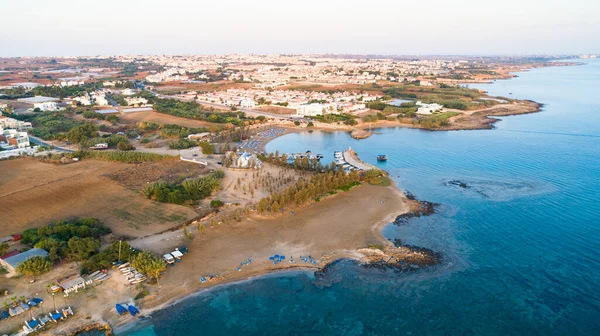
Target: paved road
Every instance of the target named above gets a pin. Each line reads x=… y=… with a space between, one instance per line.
x=41 y=142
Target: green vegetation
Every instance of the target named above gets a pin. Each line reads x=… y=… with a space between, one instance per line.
x=51 y=91
x=193 y=110
x=332 y=118
x=182 y=144
x=3 y=248
x=460 y=98
x=75 y=240
x=125 y=146
x=304 y=163
x=90 y=114
x=108 y=256
x=207 y=148
x=380 y=181
x=216 y=203
x=50 y=125
x=170 y=130
x=121 y=156
x=308 y=190
x=188 y=191
x=35 y=266
x=436 y=120
x=149 y=264
x=81 y=133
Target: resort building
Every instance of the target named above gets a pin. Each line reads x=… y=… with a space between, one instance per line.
x=428 y=108
x=314 y=109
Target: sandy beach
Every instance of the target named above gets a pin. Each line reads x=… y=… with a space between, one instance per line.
x=327 y=230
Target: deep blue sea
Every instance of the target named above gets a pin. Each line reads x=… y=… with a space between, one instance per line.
x=521 y=246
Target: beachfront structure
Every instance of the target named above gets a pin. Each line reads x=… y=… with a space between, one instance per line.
x=246 y=160
x=428 y=108
x=11 y=263
x=315 y=109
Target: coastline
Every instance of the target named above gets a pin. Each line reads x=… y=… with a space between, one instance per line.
x=183 y=282
x=163 y=300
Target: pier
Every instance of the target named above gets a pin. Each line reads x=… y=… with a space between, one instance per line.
x=350 y=161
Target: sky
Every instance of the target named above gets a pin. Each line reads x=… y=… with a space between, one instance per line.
x=400 y=27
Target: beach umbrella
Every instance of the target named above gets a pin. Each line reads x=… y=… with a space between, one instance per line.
x=271 y=258
x=276 y=256
x=282 y=258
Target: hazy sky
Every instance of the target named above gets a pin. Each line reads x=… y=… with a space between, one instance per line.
x=415 y=27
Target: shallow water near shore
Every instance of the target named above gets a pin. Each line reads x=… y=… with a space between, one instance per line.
x=518 y=230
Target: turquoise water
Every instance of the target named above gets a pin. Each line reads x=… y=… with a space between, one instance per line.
x=521 y=246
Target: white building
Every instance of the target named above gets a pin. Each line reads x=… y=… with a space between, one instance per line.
x=84 y=100
x=13 y=139
x=6 y=122
x=246 y=160
x=41 y=102
x=136 y=101
x=128 y=92
x=428 y=108
x=314 y=109
x=99 y=99
x=247 y=103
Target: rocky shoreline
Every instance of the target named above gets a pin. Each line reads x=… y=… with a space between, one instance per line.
x=417 y=209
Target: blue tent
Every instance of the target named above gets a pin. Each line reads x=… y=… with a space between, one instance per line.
x=120 y=309
x=133 y=310
x=3 y=315
x=32 y=324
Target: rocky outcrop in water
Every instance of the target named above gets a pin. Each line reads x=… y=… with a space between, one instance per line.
x=417 y=209
x=403 y=257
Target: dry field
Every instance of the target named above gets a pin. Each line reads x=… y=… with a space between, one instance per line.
x=163 y=119
x=33 y=193
x=277 y=110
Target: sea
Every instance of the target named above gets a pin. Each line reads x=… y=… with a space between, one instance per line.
x=518 y=227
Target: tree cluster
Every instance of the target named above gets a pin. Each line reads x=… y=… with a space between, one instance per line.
x=188 y=191
x=308 y=190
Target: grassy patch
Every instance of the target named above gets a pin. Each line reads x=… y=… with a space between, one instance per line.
x=380 y=181
x=349 y=186
x=122 y=214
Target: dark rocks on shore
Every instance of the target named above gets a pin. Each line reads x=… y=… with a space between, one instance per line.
x=418 y=209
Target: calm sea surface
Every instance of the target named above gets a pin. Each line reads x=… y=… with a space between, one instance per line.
x=521 y=245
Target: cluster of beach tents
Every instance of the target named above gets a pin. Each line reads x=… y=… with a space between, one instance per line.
x=244 y=263
x=175 y=256
x=35 y=324
x=123 y=309
x=20 y=308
